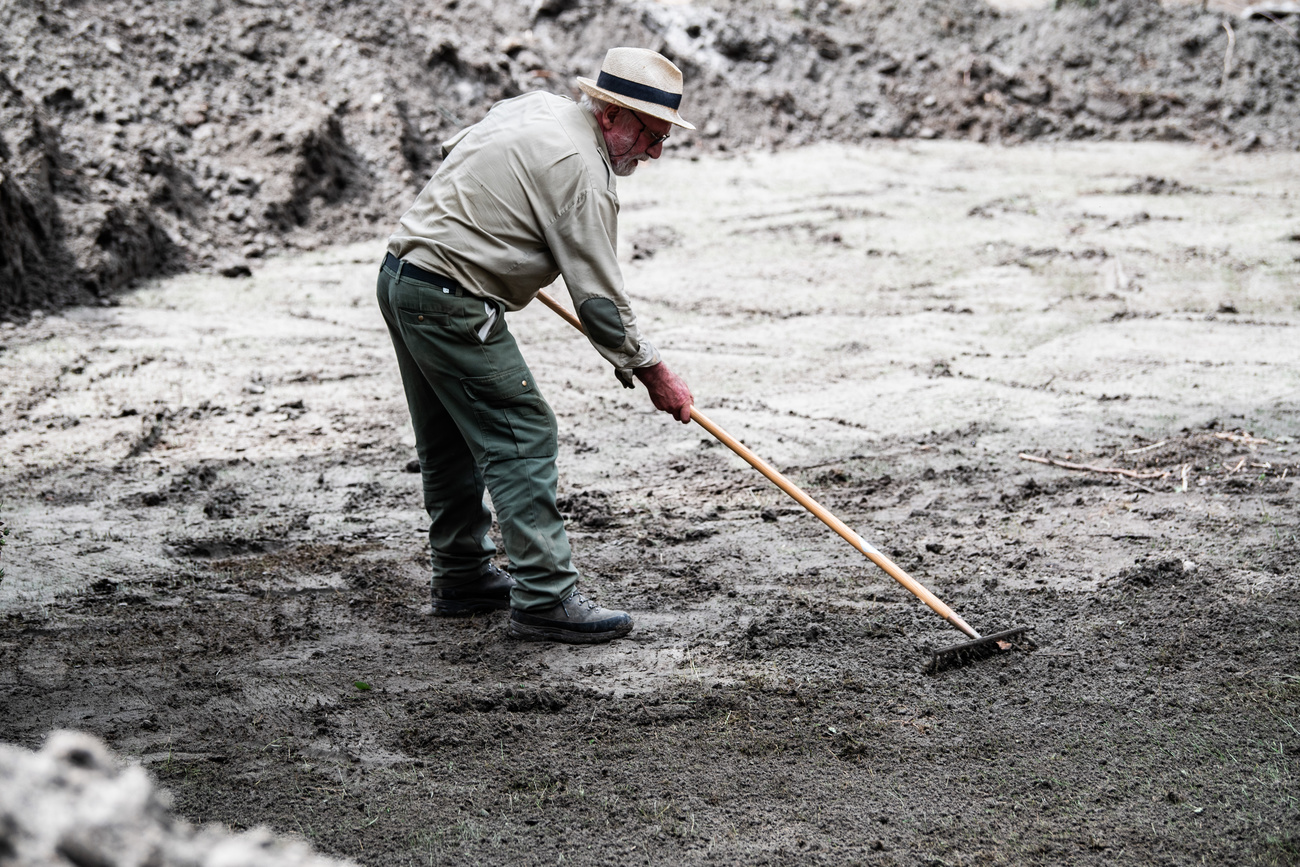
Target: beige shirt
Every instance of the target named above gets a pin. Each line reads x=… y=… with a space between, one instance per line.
x=523 y=196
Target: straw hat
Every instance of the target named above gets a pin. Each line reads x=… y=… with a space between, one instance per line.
x=641 y=80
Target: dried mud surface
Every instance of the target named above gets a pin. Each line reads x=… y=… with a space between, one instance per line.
x=138 y=138
x=216 y=562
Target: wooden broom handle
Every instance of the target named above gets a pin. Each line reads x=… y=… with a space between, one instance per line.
x=875 y=556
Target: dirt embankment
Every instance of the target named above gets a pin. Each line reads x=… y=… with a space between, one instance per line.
x=142 y=137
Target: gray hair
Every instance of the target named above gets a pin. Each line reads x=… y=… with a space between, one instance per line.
x=593 y=104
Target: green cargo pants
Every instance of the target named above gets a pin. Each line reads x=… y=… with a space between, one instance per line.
x=479 y=421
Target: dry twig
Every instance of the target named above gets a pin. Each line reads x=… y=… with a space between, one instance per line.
x=1227 y=55
x=1118 y=471
x=1146 y=448
x=1287 y=30
x=1241 y=438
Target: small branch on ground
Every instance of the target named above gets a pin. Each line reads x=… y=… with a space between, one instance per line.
x=1241 y=438
x=1087 y=468
x=1146 y=448
x=1227 y=55
x=1295 y=37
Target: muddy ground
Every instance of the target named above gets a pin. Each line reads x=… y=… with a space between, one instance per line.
x=217 y=559
x=142 y=138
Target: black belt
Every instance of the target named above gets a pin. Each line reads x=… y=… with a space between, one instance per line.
x=415 y=272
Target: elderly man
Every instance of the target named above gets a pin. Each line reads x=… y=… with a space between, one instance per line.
x=523 y=196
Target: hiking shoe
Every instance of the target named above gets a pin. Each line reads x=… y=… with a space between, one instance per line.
x=575 y=620
x=490 y=591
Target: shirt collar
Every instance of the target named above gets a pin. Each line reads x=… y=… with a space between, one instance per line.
x=600 y=139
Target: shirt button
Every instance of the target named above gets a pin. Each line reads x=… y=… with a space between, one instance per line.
x=525 y=382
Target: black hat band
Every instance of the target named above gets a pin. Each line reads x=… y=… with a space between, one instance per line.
x=634 y=90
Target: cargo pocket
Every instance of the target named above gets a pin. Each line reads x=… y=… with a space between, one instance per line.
x=512 y=417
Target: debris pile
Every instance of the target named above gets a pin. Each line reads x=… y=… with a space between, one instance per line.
x=137 y=138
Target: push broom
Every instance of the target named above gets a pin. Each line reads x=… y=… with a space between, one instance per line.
x=979 y=647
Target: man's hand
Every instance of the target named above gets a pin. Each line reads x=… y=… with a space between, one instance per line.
x=667 y=390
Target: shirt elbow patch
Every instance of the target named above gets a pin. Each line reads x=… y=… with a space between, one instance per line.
x=600 y=317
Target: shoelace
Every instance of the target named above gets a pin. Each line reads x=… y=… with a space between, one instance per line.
x=578 y=599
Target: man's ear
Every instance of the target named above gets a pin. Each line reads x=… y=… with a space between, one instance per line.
x=609 y=117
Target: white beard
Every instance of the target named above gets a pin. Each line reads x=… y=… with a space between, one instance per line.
x=625 y=167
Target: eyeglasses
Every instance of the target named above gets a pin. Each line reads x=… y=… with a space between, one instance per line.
x=654 y=139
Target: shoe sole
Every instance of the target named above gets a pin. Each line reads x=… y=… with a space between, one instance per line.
x=444 y=608
x=567 y=636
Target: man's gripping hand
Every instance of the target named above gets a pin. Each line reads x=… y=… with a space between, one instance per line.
x=667 y=390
